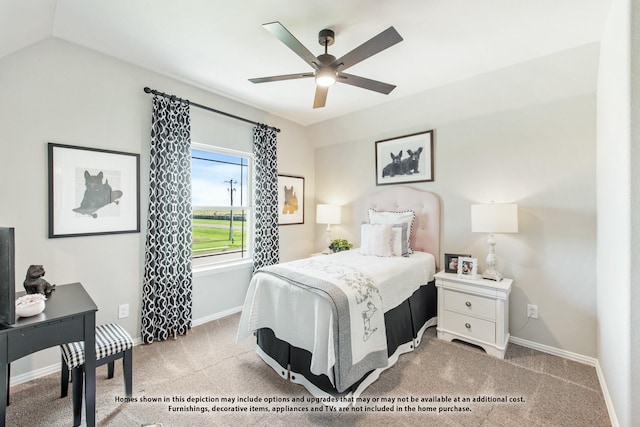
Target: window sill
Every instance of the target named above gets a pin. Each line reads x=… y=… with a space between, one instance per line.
x=207 y=270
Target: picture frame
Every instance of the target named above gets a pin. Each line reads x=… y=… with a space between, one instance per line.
x=290 y=200
x=468 y=268
x=92 y=191
x=451 y=262
x=405 y=159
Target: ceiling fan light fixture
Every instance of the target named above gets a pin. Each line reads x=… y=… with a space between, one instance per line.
x=326 y=77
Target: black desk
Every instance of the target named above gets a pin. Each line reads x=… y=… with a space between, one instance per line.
x=69 y=315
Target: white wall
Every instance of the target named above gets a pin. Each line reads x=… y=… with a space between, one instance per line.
x=618 y=208
x=54 y=91
x=634 y=300
x=523 y=134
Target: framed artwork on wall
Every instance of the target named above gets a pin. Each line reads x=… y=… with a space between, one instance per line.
x=468 y=268
x=92 y=191
x=405 y=159
x=290 y=200
x=451 y=262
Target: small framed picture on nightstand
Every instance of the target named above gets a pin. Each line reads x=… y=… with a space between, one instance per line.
x=468 y=268
x=451 y=262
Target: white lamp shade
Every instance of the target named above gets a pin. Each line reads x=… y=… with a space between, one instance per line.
x=494 y=218
x=328 y=214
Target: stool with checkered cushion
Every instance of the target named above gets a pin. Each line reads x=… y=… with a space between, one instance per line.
x=112 y=343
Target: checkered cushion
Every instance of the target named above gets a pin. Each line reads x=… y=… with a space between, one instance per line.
x=110 y=339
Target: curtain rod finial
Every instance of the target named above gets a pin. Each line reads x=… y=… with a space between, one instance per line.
x=147 y=90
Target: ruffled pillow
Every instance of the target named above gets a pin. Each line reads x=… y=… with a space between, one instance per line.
x=376 y=240
x=394 y=217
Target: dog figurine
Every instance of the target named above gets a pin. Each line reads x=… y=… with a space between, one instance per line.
x=395 y=167
x=35 y=284
x=410 y=164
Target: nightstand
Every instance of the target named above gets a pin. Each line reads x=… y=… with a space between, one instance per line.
x=474 y=311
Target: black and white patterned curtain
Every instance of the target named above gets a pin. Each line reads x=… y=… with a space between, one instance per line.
x=266 y=242
x=167 y=284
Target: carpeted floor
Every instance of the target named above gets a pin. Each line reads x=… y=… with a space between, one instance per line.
x=439 y=384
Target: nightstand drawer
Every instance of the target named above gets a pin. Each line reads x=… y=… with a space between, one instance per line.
x=471 y=327
x=472 y=305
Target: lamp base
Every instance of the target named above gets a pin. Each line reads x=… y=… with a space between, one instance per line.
x=492 y=274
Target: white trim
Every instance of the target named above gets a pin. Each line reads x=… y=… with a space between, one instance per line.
x=223 y=150
x=216 y=316
x=577 y=358
x=555 y=351
x=36 y=373
x=221 y=267
x=607 y=397
x=47 y=370
x=55 y=368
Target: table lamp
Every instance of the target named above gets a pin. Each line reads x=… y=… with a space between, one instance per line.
x=494 y=218
x=328 y=214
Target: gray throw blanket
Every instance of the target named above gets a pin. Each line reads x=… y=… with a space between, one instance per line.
x=369 y=316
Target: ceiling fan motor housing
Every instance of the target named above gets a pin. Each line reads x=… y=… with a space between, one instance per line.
x=326 y=37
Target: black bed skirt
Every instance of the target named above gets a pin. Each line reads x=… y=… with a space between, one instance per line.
x=403 y=324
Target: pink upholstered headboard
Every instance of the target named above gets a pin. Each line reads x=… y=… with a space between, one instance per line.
x=425 y=236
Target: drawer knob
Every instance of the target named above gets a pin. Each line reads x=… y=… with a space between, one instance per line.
x=468 y=304
x=467 y=325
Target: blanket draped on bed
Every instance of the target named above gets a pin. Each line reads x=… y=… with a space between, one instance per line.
x=359 y=334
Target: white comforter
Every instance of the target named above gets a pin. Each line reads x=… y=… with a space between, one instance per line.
x=301 y=318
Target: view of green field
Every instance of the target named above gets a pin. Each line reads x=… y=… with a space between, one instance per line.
x=211 y=236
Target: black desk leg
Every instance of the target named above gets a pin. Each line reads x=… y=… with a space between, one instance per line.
x=4 y=379
x=90 y=367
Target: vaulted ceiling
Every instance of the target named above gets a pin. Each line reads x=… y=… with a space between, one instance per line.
x=219 y=45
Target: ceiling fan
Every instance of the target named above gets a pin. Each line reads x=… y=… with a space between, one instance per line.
x=329 y=70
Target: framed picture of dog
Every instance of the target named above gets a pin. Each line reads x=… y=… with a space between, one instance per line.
x=405 y=159
x=290 y=200
x=92 y=191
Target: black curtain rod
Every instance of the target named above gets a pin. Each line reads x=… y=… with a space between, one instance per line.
x=204 y=107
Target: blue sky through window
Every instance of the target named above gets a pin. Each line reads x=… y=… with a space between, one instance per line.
x=211 y=173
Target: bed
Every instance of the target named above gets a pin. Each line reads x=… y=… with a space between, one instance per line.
x=334 y=345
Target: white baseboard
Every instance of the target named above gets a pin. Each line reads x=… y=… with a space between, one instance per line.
x=555 y=351
x=35 y=374
x=577 y=358
x=47 y=370
x=216 y=316
x=607 y=397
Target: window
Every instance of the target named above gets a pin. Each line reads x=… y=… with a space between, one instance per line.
x=221 y=204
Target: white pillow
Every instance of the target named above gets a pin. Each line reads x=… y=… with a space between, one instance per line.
x=376 y=240
x=400 y=241
x=394 y=217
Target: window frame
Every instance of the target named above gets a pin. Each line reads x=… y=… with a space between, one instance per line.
x=248 y=207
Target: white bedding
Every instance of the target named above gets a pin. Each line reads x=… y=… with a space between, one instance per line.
x=300 y=317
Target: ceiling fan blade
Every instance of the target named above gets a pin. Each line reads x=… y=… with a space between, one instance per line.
x=377 y=44
x=321 y=97
x=278 y=30
x=282 y=77
x=365 y=83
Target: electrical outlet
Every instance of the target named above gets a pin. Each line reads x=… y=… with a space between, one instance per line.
x=123 y=311
x=532 y=311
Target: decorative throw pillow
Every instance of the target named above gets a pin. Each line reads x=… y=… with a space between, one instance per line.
x=394 y=217
x=376 y=240
x=400 y=241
